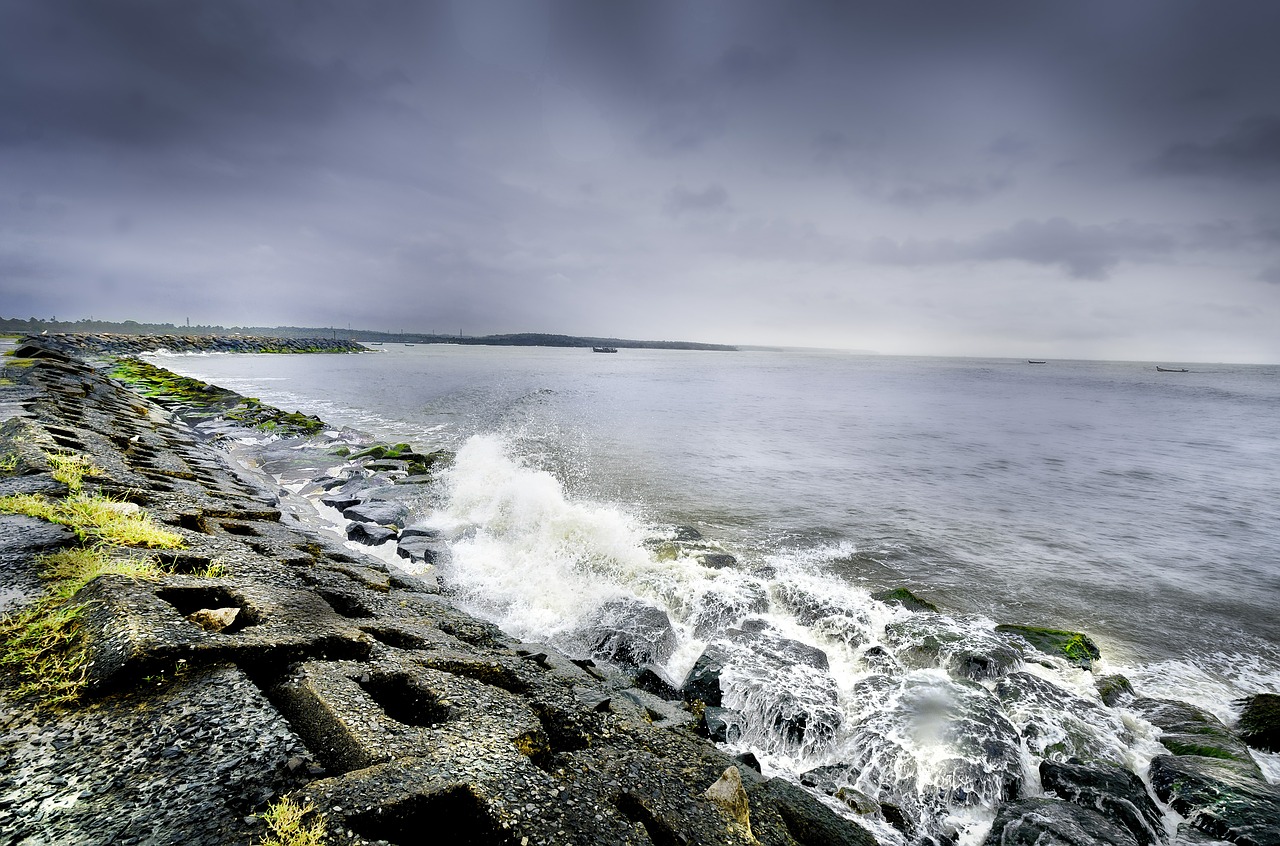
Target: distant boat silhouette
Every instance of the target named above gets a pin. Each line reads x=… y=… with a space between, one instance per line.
x=408 y=345
x=1036 y=361
x=604 y=349
x=1172 y=369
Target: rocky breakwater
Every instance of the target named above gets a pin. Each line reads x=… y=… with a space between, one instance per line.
x=188 y=661
x=107 y=343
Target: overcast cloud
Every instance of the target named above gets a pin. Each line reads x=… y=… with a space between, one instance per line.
x=1092 y=179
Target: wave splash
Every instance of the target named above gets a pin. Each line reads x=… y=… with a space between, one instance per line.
x=912 y=721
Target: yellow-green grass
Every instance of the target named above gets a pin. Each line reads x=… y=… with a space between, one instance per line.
x=71 y=469
x=44 y=648
x=96 y=519
x=287 y=823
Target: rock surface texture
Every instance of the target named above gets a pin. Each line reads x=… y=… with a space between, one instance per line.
x=270 y=659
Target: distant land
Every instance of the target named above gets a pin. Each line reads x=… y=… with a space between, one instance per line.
x=34 y=326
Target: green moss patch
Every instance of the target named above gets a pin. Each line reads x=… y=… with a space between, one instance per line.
x=201 y=400
x=905 y=598
x=1076 y=647
x=293 y=824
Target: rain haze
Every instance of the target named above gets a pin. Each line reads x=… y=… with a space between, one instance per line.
x=1084 y=179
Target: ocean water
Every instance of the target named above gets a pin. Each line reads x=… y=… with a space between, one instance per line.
x=1137 y=506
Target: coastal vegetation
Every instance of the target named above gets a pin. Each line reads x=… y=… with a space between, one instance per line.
x=200 y=400
x=293 y=824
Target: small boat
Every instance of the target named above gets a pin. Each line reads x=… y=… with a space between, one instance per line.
x=1036 y=361
x=376 y=343
x=1172 y=369
x=408 y=345
x=604 y=349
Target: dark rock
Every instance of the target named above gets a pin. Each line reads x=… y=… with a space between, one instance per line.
x=723 y=725
x=1077 y=648
x=702 y=684
x=629 y=632
x=370 y=534
x=757 y=635
x=1220 y=797
x=1260 y=721
x=881 y=660
x=1118 y=794
x=419 y=549
x=748 y=760
x=904 y=597
x=826 y=779
x=688 y=533
x=381 y=512
x=1049 y=822
x=1114 y=689
x=809 y=821
x=1056 y=723
x=419 y=532
x=928 y=640
x=1188 y=730
x=717 y=560
x=653 y=679
x=717 y=610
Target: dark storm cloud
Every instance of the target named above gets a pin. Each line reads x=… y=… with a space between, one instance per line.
x=1084 y=252
x=652 y=168
x=1249 y=150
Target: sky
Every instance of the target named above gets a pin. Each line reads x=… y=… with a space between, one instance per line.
x=1083 y=179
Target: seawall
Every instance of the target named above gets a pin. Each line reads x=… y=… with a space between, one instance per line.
x=118 y=344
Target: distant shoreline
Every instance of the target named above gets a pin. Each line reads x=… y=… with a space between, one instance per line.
x=35 y=326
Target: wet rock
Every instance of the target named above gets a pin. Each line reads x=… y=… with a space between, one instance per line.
x=369 y=534
x=702 y=684
x=1049 y=822
x=652 y=678
x=717 y=609
x=717 y=560
x=728 y=793
x=809 y=821
x=419 y=549
x=1259 y=724
x=826 y=779
x=722 y=725
x=929 y=640
x=748 y=760
x=1188 y=730
x=381 y=512
x=688 y=533
x=629 y=632
x=975 y=751
x=758 y=635
x=1077 y=648
x=1220 y=797
x=1116 y=793
x=1056 y=723
x=905 y=598
x=1114 y=690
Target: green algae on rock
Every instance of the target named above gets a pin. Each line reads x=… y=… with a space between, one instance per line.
x=1078 y=648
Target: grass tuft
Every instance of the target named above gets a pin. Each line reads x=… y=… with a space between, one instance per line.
x=44 y=648
x=71 y=469
x=72 y=569
x=96 y=519
x=286 y=821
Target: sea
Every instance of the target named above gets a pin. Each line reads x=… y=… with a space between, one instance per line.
x=1137 y=506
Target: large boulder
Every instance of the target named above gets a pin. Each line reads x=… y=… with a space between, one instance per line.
x=629 y=631
x=1075 y=648
x=702 y=684
x=932 y=640
x=1220 y=797
x=1188 y=730
x=1049 y=822
x=1116 y=793
x=377 y=511
x=1056 y=723
x=370 y=534
x=1260 y=721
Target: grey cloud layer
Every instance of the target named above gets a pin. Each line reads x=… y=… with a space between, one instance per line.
x=849 y=174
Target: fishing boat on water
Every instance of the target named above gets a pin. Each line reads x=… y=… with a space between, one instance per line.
x=604 y=349
x=1036 y=361
x=1172 y=369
